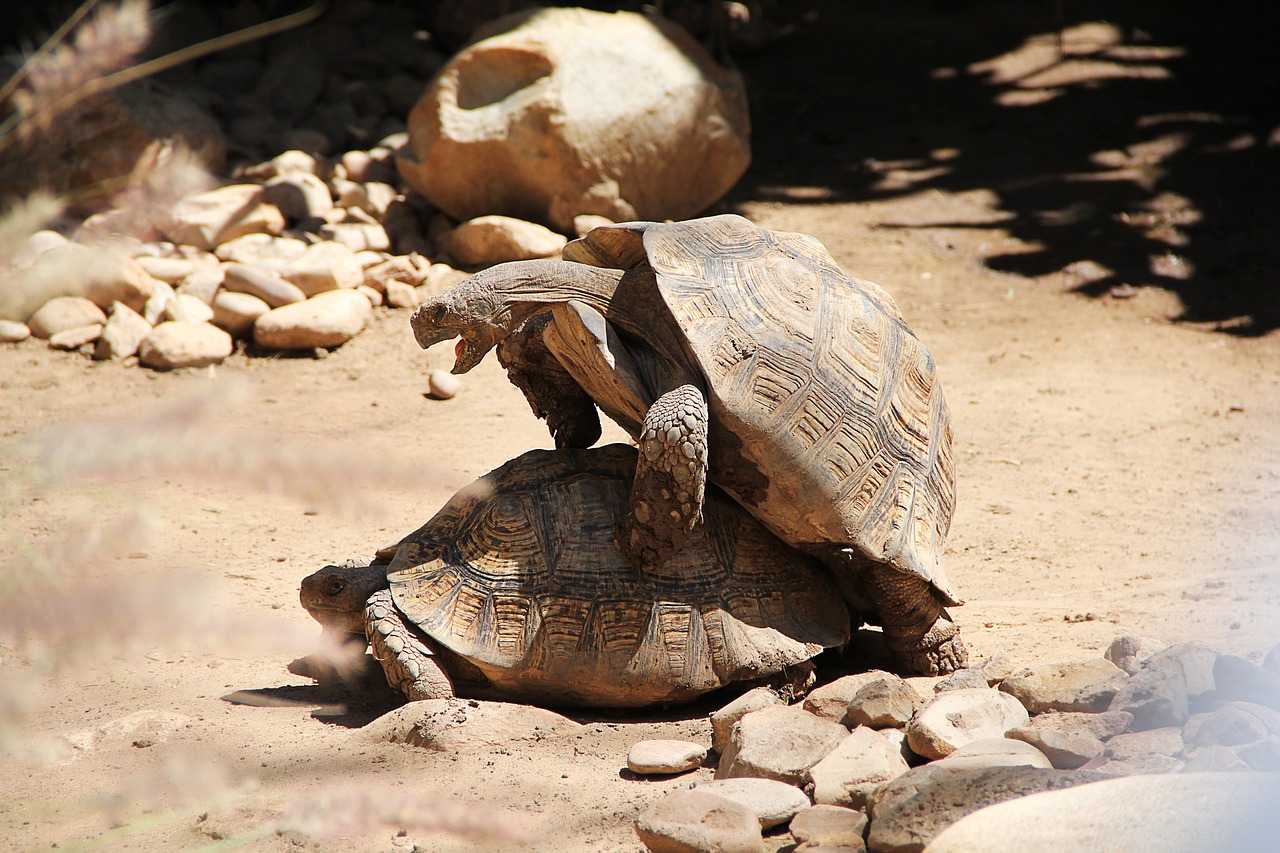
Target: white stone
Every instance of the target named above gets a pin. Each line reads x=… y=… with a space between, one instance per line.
x=325 y=320
x=124 y=332
x=690 y=821
x=583 y=223
x=358 y=236
x=997 y=752
x=169 y=270
x=722 y=721
x=832 y=700
x=69 y=339
x=1130 y=651
x=183 y=307
x=323 y=266
x=401 y=295
x=664 y=757
x=373 y=198
x=210 y=218
x=570 y=111
x=236 y=312
x=887 y=702
x=850 y=774
x=261 y=250
x=267 y=285
x=488 y=240
x=956 y=717
x=780 y=742
x=183 y=344
x=442 y=385
x=773 y=802
x=829 y=826
x=300 y=196
x=203 y=282
x=11 y=331
x=62 y=313
x=1075 y=685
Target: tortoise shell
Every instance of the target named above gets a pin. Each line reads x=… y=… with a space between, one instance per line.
x=517 y=577
x=827 y=418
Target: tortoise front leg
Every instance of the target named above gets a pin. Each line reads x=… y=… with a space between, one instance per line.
x=410 y=665
x=671 y=478
x=553 y=394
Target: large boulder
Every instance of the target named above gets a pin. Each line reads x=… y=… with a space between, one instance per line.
x=552 y=113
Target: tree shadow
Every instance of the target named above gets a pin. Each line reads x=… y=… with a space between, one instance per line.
x=1145 y=153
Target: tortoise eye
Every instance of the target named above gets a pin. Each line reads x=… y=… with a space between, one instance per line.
x=438 y=315
x=335 y=585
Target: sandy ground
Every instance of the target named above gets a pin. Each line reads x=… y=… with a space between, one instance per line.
x=1115 y=419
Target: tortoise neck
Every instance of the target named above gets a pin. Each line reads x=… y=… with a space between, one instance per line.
x=519 y=289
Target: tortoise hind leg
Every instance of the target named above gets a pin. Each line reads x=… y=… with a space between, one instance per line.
x=671 y=478
x=553 y=394
x=919 y=633
x=410 y=665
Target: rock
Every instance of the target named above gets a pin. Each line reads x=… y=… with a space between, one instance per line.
x=1160 y=693
x=887 y=702
x=1083 y=686
x=1213 y=758
x=183 y=307
x=203 y=283
x=962 y=679
x=41 y=242
x=358 y=236
x=559 y=112
x=1233 y=724
x=1237 y=678
x=488 y=240
x=998 y=752
x=401 y=295
x=659 y=757
x=153 y=310
x=722 y=721
x=1262 y=755
x=957 y=717
x=772 y=802
x=997 y=668
x=1149 y=751
x=69 y=339
x=850 y=774
x=374 y=296
x=264 y=284
x=829 y=826
x=1065 y=749
x=398 y=268
x=325 y=320
x=908 y=812
x=260 y=250
x=438 y=279
x=780 y=742
x=1186 y=813
x=1272 y=660
x=62 y=313
x=695 y=821
x=898 y=738
x=832 y=700
x=124 y=332
x=300 y=196
x=1102 y=726
x=323 y=266
x=236 y=312
x=11 y=331
x=584 y=223
x=101 y=275
x=168 y=270
x=208 y=219
x=374 y=197
x=1130 y=652
x=183 y=344
x=442 y=385
x=467 y=726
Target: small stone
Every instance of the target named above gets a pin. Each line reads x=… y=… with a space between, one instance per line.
x=399 y=268
x=1103 y=725
x=236 y=312
x=663 y=757
x=1237 y=678
x=850 y=774
x=1065 y=750
x=1262 y=755
x=168 y=270
x=722 y=721
x=887 y=702
x=1213 y=758
x=358 y=236
x=773 y=803
x=183 y=307
x=962 y=679
x=832 y=700
x=829 y=826
x=325 y=320
x=264 y=284
x=208 y=219
x=69 y=339
x=692 y=821
x=62 y=313
x=1148 y=751
x=203 y=283
x=1233 y=724
x=488 y=240
x=161 y=296
x=356 y=164
x=780 y=742
x=997 y=668
x=1160 y=694
x=442 y=385
x=1088 y=685
x=997 y=752
x=372 y=294
x=440 y=278
x=301 y=196
x=584 y=222
x=11 y=331
x=957 y=717
x=1130 y=652
x=183 y=344
x=124 y=332
x=323 y=266
x=261 y=250
x=44 y=240
x=373 y=197
x=401 y=295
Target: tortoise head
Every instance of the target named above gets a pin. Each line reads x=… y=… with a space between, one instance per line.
x=467 y=316
x=335 y=595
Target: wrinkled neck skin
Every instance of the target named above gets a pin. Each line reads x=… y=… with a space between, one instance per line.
x=494 y=303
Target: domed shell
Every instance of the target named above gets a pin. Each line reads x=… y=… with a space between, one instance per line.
x=518 y=575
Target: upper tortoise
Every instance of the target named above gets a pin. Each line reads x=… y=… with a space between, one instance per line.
x=748 y=356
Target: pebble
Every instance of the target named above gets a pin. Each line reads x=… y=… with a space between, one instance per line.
x=663 y=757
x=161 y=295
x=184 y=344
x=323 y=266
x=829 y=826
x=260 y=250
x=236 y=312
x=1130 y=651
x=1103 y=725
x=69 y=339
x=124 y=332
x=11 y=331
x=439 y=278
x=488 y=240
x=267 y=285
x=962 y=679
x=1232 y=724
x=183 y=307
x=692 y=821
x=203 y=283
x=1087 y=685
x=773 y=803
x=442 y=385
x=887 y=702
x=780 y=742
x=401 y=295
x=301 y=196
x=358 y=236
x=325 y=320
x=210 y=218
x=1065 y=750
x=998 y=752
x=853 y=770
x=169 y=270
x=832 y=700
x=62 y=313
x=722 y=721
x=1160 y=693
x=1236 y=678
x=956 y=717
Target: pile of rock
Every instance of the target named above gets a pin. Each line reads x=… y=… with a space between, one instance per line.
x=868 y=762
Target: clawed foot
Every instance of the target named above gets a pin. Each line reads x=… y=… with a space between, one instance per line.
x=939 y=651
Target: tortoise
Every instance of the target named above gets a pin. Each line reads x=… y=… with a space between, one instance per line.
x=747 y=356
x=515 y=591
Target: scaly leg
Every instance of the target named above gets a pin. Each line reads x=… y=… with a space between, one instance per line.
x=410 y=665
x=553 y=394
x=919 y=632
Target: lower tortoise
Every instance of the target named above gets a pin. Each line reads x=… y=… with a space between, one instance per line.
x=514 y=590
